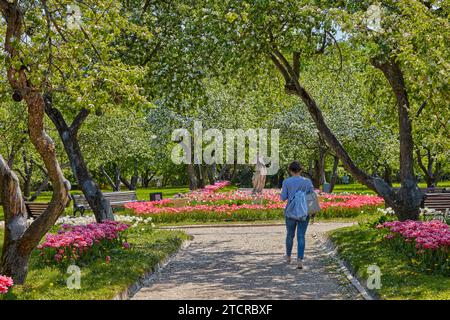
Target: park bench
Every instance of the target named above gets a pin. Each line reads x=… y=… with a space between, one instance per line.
x=35 y=209
x=116 y=199
x=437 y=201
x=440 y=202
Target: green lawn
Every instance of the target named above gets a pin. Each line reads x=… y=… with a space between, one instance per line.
x=361 y=247
x=360 y=188
x=101 y=280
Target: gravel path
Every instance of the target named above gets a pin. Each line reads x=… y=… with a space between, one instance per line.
x=247 y=263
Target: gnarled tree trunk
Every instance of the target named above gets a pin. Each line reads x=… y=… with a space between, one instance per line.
x=69 y=136
x=407 y=200
x=19 y=240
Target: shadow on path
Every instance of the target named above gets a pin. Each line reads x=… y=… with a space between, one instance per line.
x=246 y=263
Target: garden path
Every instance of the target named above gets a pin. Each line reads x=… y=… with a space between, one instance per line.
x=247 y=263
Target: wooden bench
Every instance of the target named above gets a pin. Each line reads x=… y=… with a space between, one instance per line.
x=116 y=199
x=437 y=201
x=35 y=209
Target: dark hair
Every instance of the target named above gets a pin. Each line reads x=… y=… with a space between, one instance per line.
x=295 y=167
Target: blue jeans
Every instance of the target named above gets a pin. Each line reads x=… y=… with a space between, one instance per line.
x=301 y=227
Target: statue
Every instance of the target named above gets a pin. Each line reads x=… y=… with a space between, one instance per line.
x=259 y=178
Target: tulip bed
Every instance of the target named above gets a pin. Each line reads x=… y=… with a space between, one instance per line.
x=102 y=278
x=427 y=243
x=210 y=205
x=413 y=256
x=82 y=244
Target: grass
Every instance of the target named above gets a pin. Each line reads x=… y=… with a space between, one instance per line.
x=362 y=247
x=101 y=280
x=360 y=188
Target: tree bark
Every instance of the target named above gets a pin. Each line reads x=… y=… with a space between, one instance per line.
x=334 y=173
x=132 y=184
x=26 y=175
x=69 y=136
x=115 y=184
x=224 y=173
x=200 y=176
x=39 y=190
x=431 y=177
x=387 y=175
x=409 y=197
x=192 y=177
x=146 y=178
x=12 y=263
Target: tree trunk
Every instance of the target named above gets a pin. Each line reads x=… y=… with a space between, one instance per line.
x=406 y=202
x=69 y=136
x=20 y=240
x=409 y=197
x=322 y=158
x=27 y=175
x=311 y=168
x=200 y=176
x=212 y=170
x=39 y=190
x=387 y=175
x=316 y=174
x=431 y=177
x=224 y=173
x=135 y=177
x=192 y=177
x=334 y=173
x=280 y=178
x=146 y=178
x=114 y=184
x=13 y=263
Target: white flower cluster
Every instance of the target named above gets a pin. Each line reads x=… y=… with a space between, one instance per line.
x=135 y=221
x=132 y=220
x=76 y=220
x=388 y=211
x=428 y=212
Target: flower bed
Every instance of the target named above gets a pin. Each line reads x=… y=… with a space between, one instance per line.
x=82 y=243
x=425 y=243
x=208 y=205
x=5 y=284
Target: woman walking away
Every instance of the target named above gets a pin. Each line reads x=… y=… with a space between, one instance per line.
x=294 y=190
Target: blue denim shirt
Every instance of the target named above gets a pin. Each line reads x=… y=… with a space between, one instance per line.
x=293 y=184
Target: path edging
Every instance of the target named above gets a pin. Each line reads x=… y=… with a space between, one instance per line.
x=351 y=276
x=145 y=279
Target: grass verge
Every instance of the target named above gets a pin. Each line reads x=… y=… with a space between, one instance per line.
x=362 y=247
x=101 y=280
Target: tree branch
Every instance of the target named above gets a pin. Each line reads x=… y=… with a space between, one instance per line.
x=78 y=121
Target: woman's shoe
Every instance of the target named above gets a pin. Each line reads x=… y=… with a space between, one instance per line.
x=300 y=264
x=288 y=260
